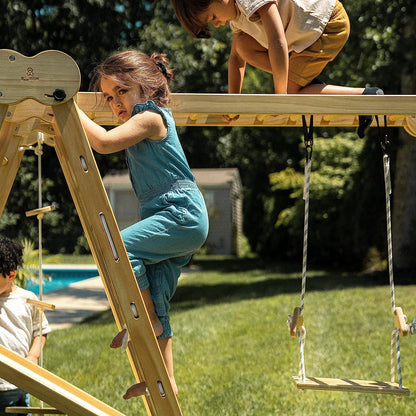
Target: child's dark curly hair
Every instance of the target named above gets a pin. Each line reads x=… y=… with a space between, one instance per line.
x=11 y=253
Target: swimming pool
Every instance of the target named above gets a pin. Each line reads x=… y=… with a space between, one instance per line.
x=61 y=276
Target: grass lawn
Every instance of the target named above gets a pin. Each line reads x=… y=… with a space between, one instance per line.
x=232 y=349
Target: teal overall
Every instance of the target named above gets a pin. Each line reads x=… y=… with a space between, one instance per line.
x=173 y=217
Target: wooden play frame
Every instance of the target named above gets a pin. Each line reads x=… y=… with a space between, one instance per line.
x=38 y=94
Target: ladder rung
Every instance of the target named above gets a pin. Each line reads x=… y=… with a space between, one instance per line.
x=38 y=211
x=40 y=304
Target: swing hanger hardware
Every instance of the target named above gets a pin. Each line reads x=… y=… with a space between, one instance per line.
x=308 y=136
x=295 y=322
x=384 y=140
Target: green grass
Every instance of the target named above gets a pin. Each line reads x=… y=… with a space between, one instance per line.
x=232 y=350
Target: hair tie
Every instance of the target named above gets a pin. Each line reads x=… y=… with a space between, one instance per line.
x=162 y=68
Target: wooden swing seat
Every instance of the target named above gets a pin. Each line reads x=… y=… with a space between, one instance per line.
x=349 y=385
x=34 y=410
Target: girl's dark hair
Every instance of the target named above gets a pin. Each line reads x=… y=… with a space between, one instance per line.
x=11 y=255
x=188 y=13
x=133 y=67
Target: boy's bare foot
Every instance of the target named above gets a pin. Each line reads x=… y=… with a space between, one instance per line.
x=135 y=390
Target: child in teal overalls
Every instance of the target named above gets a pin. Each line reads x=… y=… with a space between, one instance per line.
x=174 y=219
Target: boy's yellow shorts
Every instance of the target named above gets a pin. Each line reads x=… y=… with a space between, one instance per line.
x=308 y=64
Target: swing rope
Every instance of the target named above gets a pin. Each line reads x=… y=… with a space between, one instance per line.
x=395 y=336
x=295 y=321
x=308 y=140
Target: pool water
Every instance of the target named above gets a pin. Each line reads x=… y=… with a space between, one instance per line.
x=61 y=276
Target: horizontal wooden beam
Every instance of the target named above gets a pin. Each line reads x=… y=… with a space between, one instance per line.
x=261 y=110
x=268 y=110
x=293 y=104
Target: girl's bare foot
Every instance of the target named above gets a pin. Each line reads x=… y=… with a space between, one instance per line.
x=174 y=386
x=135 y=390
x=156 y=324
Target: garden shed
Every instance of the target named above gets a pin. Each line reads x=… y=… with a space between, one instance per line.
x=223 y=196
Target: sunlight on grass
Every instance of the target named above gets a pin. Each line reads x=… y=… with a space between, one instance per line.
x=233 y=353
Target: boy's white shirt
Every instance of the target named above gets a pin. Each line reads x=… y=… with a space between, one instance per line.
x=19 y=325
x=304 y=20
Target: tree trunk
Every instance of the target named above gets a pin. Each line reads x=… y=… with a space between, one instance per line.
x=404 y=204
x=404 y=189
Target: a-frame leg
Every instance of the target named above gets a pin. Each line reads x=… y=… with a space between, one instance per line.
x=51 y=388
x=94 y=210
x=10 y=156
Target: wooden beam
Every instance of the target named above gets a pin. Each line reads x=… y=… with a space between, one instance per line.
x=268 y=110
x=293 y=104
x=349 y=385
x=258 y=110
x=33 y=410
x=50 y=388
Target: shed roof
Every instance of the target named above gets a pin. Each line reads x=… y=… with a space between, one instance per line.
x=216 y=176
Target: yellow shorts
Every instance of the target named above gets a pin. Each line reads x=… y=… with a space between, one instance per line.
x=308 y=64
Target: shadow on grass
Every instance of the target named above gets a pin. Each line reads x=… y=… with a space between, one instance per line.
x=245 y=279
x=279 y=278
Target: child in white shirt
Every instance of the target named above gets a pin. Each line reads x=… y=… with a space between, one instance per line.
x=291 y=39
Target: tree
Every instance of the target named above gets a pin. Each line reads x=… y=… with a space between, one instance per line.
x=390 y=40
x=89 y=30
x=404 y=202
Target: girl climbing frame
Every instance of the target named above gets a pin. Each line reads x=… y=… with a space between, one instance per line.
x=296 y=322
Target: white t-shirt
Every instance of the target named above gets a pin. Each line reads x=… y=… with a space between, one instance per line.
x=304 y=20
x=19 y=325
